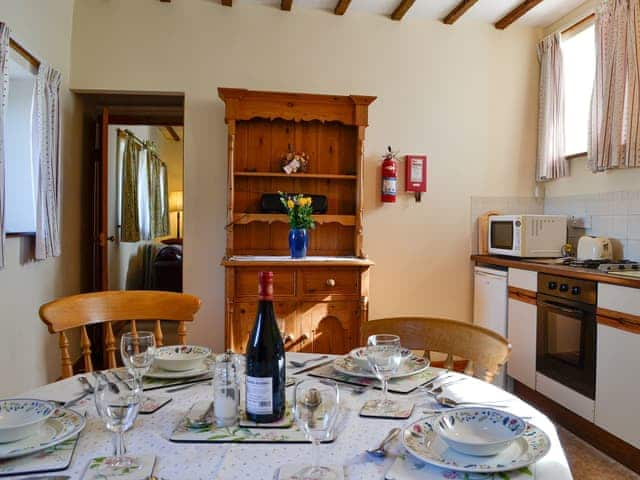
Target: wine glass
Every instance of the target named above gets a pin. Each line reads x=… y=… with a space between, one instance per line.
x=315 y=408
x=384 y=355
x=137 y=351
x=118 y=408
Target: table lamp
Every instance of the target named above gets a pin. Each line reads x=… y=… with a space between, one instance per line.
x=175 y=205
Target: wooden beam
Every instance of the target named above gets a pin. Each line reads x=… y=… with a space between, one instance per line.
x=173 y=133
x=516 y=13
x=459 y=10
x=341 y=7
x=227 y=3
x=401 y=9
x=286 y=5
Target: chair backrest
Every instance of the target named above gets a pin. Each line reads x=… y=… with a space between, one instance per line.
x=479 y=346
x=78 y=311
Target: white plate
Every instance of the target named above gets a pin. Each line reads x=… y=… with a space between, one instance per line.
x=155 y=372
x=63 y=424
x=22 y=417
x=423 y=443
x=180 y=358
x=412 y=365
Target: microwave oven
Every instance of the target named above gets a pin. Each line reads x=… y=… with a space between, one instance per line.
x=527 y=235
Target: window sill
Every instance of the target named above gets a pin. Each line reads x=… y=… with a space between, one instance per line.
x=20 y=234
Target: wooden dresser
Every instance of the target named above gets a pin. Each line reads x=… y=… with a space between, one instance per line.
x=323 y=299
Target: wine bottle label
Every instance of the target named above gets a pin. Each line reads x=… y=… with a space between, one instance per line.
x=260 y=395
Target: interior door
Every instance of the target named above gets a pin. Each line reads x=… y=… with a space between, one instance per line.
x=100 y=205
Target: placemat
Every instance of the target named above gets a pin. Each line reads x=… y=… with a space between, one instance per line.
x=396 y=385
x=406 y=467
x=52 y=459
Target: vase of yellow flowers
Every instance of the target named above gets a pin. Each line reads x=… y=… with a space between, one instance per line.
x=299 y=210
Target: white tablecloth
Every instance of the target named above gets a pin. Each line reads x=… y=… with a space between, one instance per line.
x=259 y=461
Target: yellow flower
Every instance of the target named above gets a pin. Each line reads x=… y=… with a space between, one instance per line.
x=290 y=204
x=305 y=201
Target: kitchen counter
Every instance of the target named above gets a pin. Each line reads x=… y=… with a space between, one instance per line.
x=546 y=266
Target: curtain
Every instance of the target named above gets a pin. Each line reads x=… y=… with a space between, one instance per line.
x=551 y=161
x=615 y=104
x=4 y=95
x=46 y=151
x=129 y=215
x=158 y=198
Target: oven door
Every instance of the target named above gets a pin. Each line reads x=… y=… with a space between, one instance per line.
x=566 y=343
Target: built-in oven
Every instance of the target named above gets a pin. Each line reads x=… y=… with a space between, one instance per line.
x=566 y=340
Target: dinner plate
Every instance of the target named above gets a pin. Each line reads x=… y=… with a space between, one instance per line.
x=423 y=443
x=156 y=372
x=410 y=366
x=63 y=424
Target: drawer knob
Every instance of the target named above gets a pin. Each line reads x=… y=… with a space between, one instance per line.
x=331 y=282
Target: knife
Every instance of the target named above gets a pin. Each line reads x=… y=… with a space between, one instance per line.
x=49 y=477
x=306 y=369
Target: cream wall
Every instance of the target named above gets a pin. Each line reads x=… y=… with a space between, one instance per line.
x=464 y=95
x=582 y=180
x=28 y=354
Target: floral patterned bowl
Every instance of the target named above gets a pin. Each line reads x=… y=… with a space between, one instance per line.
x=478 y=431
x=22 y=417
x=359 y=356
x=180 y=358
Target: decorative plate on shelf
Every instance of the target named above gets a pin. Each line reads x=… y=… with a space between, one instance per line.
x=423 y=443
x=63 y=424
x=160 y=373
x=410 y=366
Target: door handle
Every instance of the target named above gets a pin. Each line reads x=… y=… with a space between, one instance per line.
x=562 y=308
x=111 y=238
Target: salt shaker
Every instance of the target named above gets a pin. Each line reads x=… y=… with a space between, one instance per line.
x=226 y=390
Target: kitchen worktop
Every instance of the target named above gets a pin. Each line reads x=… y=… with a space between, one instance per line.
x=547 y=266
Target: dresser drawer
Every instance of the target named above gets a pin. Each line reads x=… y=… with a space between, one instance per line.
x=284 y=282
x=330 y=281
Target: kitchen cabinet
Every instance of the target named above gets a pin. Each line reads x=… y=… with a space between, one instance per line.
x=522 y=331
x=617 y=386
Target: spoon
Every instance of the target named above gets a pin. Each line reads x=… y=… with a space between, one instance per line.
x=431 y=390
x=87 y=384
x=112 y=386
x=296 y=364
x=380 y=450
x=449 y=402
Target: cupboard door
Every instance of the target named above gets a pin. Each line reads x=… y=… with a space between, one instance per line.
x=617 y=388
x=522 y=332
x=245 y=317
x=329 y=326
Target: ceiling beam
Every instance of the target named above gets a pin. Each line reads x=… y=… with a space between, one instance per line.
x=227 y=3
x=341 y=7
x=173 y=133
x=401 y=9
x=286 y=5
x=459 y=10
x=516 y=13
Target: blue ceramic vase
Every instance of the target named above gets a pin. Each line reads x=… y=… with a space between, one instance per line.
x=298 y=242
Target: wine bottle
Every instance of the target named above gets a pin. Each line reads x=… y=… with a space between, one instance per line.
x=265 y=379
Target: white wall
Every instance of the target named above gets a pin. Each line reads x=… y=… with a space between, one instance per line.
x=29 y=356
x=464 y=95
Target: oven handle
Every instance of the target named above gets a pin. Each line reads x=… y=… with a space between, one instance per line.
x=562 y=308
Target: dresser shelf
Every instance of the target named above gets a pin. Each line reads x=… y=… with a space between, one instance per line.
x=295 y=176
x=244 y=218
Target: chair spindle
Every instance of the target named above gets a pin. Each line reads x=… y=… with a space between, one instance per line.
x=110 y=345
x=85 y=348
x=67 y=366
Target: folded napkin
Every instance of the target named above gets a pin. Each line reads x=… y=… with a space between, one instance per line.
x=406 y=467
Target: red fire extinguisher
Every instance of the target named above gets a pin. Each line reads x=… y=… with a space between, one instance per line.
x=389 y=177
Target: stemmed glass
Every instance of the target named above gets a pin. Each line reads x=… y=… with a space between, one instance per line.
x=384 y=355
x=118 y=409
x=315 y=408
x=138 y=351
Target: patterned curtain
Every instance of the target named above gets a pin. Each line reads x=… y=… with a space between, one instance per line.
x=551 y=161
x=46 y=151
x=615 y=104
x=130 y=222
x=4 y=95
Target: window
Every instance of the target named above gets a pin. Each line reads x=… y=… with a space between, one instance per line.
x=21 y=173
x=579 y=55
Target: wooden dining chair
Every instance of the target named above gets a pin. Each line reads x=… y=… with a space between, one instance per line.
x=78 y=311
x=479 y=347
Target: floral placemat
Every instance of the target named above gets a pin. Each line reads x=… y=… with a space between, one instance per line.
x=184 y=433
x=155 y=383
x=406 y=467
x=284 y=422
x=399 y=409
x=52 y=459
x=142 y=471
x=396 y=385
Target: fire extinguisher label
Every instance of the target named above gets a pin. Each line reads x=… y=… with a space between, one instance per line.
x=389 y=186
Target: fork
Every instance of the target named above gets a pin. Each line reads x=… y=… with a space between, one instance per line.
x=296 y=364
x=112 y=386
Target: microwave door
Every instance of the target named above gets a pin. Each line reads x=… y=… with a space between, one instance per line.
x=502 y=235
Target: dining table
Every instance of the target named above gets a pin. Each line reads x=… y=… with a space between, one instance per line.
x=354 y=434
